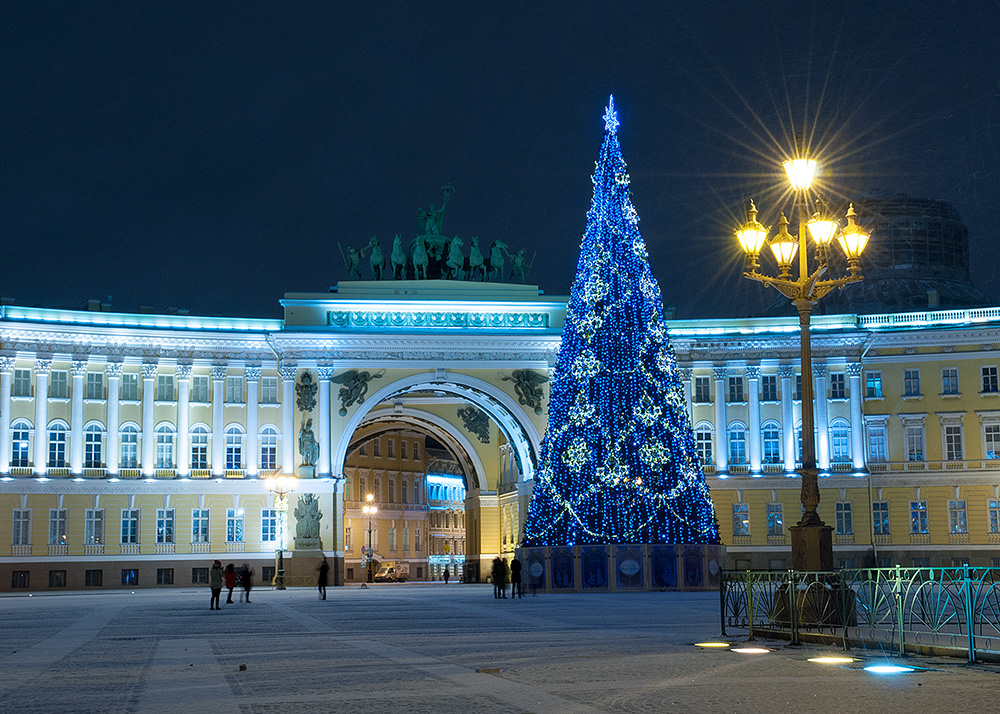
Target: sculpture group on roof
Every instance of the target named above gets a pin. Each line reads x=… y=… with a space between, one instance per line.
x=431 y=255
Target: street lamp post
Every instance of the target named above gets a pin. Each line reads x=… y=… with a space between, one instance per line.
x=812 y=540
x=369 y=509
x=280 y=487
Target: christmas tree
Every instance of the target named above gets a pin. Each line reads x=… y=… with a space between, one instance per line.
x=618 y=463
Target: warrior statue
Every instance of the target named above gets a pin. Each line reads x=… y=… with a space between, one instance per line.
x=308 y=446
x=430 y=221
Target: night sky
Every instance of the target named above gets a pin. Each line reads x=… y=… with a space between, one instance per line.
x=211 y=156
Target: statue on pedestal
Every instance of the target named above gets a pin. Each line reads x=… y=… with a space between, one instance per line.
x=307 y=518
x=308 y=446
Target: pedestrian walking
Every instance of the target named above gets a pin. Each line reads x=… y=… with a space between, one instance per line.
x=246 y=578
x=215 y=578
x=230 y=579
x=324 y=577
x=498 y=573
x=504 y=577
x=515 y=578
x=447 y=574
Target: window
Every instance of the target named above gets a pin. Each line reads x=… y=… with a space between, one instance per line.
x=392 y=539
x=348 y=539
x=918 y=517
x=130 y=576
x=20 y=435
x=958 y=521
x=952 y=442
x=404 y=490
x=130 y=525
x=57 y=446
x=93 y=447
x=93 y=533
x=199 y=576
x=416 y=539
x=880 y=517
x=93 y=578
x=914 y=435
x=771 y=434
x=22 y=526
x=234 y=448
x=376 y=451
x=377 y=490
x=949 y=381
x=269 y=525
x=991 y=440
x=911 y=383
x=58 y=384
x=416 y=492
x=391 y=449
x=737 y=443
x=702 y=390
x=234 y=390
x=402 y=449
x=798 y=387
x=990 y=380
x=234 y=525
x=363 y=450
x=416 y=451
x=877 y=442
x=57 y=526
x=873 y=385
x=164 y=525
x=775 y=520
x=268 y=448
x=392 y=490
x=22 y=383
x=736 y=389
x=769 y=388
x=845 y=519
x=57 y=578
x=406 y=539
x=199 y=448
x=129 y=447
x=165 y=388
x=95 y=385
x=703 y=442
x=741 y=520
x=199 y=389
x=164 y=576
x=20 y=579
x=840 y=441
x=130 y=388
x=798 y=442
x=994 y=515
x=165 y=447
x=269 y=390
x=199 y=525
x=838 y=385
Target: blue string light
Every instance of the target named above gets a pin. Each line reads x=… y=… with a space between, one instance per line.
x=618 y=463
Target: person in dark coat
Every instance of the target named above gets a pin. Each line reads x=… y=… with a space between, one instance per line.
x=447 y=574
x=230 y=578
x=215 y=577
x=495 y=576
x=324 y=578
x=515 y=578
x=246 y=578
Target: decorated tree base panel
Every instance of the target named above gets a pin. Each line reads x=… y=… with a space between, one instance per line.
x=621 y=567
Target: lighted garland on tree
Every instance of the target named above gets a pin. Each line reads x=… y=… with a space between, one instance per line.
x=618 y=463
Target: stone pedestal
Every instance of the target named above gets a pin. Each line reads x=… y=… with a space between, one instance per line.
x=812 y=548
x=307 y=472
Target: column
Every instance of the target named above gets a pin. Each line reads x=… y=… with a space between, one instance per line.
x=754 y=436
x=114 y=372
x=822 y=427
x=721 y=425
x=287 y=373
x=79 y=368
x=685 y=374
x=218 y=416
x=253 y=449
x=183 y=375
x=148 y=420
x=787 y=374
x=6 y=368
x=857 y=417
x=323 y=427
x=42 y=368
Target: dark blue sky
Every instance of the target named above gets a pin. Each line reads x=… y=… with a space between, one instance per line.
x=211 y=156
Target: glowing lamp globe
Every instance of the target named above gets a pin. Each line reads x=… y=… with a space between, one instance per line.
x=853 y=239
x=822 y=229
x=751 y=234
x=783 y=245
x=800 y=172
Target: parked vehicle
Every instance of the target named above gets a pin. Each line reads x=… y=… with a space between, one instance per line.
x=393 y=573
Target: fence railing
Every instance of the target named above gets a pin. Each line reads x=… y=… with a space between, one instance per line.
x=947 y=611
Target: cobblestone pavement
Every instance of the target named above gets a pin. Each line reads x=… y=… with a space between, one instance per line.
x=427 y=648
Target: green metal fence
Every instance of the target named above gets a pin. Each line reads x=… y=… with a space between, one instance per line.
x=946 y=611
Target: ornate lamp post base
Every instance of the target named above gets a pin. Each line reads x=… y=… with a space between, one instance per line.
x=812 y=547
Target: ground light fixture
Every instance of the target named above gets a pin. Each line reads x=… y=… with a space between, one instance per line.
x=830 y=659
x=751 y=650
x=713 y=645
x=889 y=669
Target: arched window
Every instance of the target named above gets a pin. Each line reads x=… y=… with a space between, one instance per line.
x=199 y=447
x=798 y=441
x=93 y=455
x=20 y=435
x=234 y=448
x=737 y=443
x=129 y=439
x=57 y=445
x=771 y=435
x=703 y=442
x=268 y=448
x=840 y=441
x=164 y=446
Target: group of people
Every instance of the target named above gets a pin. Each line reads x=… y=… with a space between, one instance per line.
x=229 y=577
x=501 y=574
